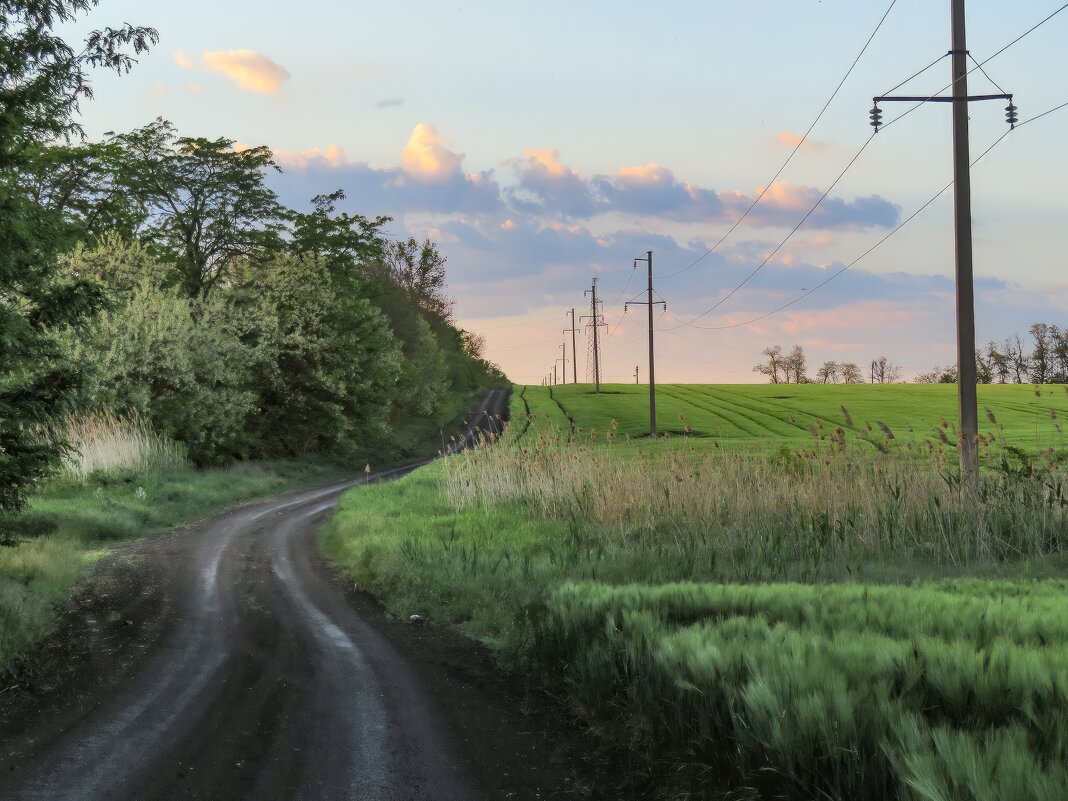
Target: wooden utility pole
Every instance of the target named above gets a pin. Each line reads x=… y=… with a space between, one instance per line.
x=563 y=363
x=635 y=374
x=967 y=402
x=648 y=259
x=962 y=204
x=574 y=353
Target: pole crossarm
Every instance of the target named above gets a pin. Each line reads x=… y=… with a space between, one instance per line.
x=938 y=98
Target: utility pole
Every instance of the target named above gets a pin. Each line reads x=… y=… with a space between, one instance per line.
x=563 y=367
x=596 y=321
x=554 y=374
x=635 y=374
x=574 y=353
x=967 y=402
x=648 y=259
x=967 y=399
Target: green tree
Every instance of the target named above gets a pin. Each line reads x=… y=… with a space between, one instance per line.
x=203 y=203
x=181 y=363
x=331 y=377
x=419 y=270
x=42 y=81
x=348 y=244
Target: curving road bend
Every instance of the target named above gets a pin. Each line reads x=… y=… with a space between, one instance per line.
x=253 y=677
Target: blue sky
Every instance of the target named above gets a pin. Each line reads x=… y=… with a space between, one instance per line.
x=541 y=145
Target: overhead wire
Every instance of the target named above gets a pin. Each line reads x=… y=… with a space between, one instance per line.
x=789 y=236
x=793 y=152
x=877 y=244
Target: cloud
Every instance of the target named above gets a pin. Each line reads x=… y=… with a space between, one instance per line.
x=430 y=178
x=545 y=186
x=332 y=156
x=390 y=102
x=183 y=61
x=784 y=205
x=248 y=69
x=792 y=140
x=426 y=156
x=653 y=190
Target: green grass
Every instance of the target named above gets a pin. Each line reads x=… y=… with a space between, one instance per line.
x=787 y=413
x=922 y=657
x=75 y=522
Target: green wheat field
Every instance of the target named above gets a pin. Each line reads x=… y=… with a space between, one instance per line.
x=785 y=595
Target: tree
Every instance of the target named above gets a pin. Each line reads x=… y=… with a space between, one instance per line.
x=203 y=203
x=828 y=373
x=939 y=375
x=419 y=270
x=773 y=366
x=795 y=366
x=885 y=371
x=998 y=363
x=347 y=244
x=329 y=376
x=850 y=373
x=1016 y=357
x=42 y=81
x=1041 y=360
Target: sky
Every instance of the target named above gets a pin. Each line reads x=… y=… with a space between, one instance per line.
x=542 y=146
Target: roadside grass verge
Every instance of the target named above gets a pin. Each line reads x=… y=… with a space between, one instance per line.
x=654 y=586
x=73 y=522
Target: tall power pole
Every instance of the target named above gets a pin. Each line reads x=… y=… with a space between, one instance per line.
x=967 y=401
x=563 y=365
x=596 y=321
x=648 y=259
x=574 y=354
x=635 y=374
x=554 y=374
x=962 y=205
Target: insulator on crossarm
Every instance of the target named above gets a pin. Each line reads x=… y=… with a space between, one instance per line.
x=876 y=115
x=1011 y=116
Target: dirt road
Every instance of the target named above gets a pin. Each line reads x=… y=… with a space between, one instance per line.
x=224 y=660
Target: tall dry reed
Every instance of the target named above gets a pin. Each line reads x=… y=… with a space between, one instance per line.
x=106 y=441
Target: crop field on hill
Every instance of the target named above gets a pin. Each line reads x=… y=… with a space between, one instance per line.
x=1028 y=417
x=777 y=603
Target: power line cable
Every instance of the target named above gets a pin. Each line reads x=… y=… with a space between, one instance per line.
x=867 y=252
x=793 y=152
x=978 y=65
x=781 y=244
x=789 y=236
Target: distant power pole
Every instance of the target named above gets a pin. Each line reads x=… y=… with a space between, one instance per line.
x=574 y=353
x=554 y=374
x=635 y=374
x=563 y=366
x=652 y=373
x=596 y=321
x=967 y=401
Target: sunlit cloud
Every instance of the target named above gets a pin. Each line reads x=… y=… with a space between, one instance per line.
x=792 y=140
x=248 y=69
x=183 y=61
x=427 y=157
x=331 y=156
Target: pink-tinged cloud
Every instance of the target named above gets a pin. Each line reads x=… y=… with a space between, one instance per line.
x=792 y=140
x=427 y=157
x=183 y=61
x=248 y=69
x=332 y=156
